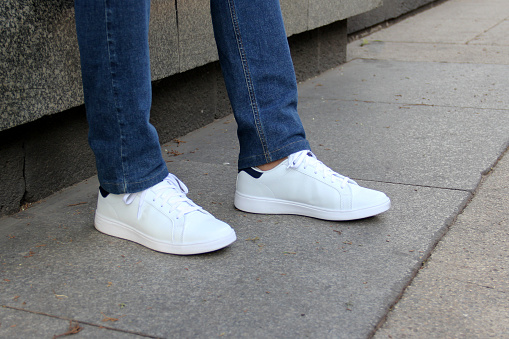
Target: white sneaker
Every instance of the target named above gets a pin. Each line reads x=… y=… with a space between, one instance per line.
x=162 y=218
x=303 y=185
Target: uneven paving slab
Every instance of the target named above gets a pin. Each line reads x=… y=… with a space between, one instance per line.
x=463 y=290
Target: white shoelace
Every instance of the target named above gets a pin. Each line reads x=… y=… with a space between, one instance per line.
x=170 y=191
x=307 y=158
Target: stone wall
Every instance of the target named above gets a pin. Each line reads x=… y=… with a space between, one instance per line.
x=390 y=9
x=43 y=130
x=39 y=58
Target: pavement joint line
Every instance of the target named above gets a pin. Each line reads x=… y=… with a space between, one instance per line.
x=490 y=168
x=449 y=222
x=425 y=43
x=79 y=321
x=485 y=31
x=442 y=232
x=444 y=43
x=417 y=185
x=438 y=62
x=407 y=104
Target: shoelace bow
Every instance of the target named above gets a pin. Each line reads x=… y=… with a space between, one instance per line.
x=171 y=191
x=307 y=158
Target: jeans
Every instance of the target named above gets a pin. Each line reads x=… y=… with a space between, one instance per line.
x=257 y=68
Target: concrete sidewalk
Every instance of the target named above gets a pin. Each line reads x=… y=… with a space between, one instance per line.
x=420 y=111
x=463 y=289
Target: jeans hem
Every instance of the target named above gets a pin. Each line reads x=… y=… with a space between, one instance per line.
x=280 y=153
x=138 y=186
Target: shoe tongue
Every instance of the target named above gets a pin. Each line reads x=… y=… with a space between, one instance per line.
x=176 y=184
x=181 y=186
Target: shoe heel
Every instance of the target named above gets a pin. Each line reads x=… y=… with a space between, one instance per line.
x=257 y=205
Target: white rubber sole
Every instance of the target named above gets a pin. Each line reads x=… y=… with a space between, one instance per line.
x=259 y=205
x=124 y=231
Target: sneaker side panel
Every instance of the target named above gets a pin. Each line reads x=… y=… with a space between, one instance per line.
x=301 y=186
x=301 y=191
x=159 y=229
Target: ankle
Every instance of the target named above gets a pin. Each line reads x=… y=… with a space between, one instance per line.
x=271 y=165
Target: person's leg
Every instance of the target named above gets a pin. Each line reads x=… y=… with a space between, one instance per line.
x=260 y=79
x=258 y=70
x=115 y=65
x=138 y=199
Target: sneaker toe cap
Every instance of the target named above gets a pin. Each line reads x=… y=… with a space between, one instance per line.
x=205 y=228
x=365 y=198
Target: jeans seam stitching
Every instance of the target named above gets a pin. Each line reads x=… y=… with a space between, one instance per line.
x=111 y=60
x=249 y=82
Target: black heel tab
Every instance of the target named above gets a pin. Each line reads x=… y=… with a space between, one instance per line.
x=255 y=174
x=104 y=193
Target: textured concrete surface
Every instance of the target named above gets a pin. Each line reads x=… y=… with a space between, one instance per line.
x=39 y=63
x=290 y=276
x=324 y=12
x=163 y=39
x=476 y=35
x=11 y=171
x=294 y=22
x=40 y=68
x=196 y=38
x=390 y=9
x=461 y=292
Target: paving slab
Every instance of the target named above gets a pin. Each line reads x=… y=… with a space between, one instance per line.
x=345 y=114
x=415 y=51
x=456 y=31
x=434 y=146
x=21 y=324
x=285 y=276
x=462 y=291
x=414 y=83
x=453 y=22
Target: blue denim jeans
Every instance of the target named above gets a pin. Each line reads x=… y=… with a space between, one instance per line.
x=257 y=68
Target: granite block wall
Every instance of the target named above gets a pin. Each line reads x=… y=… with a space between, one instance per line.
x=43 y=130
x=39 y=58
